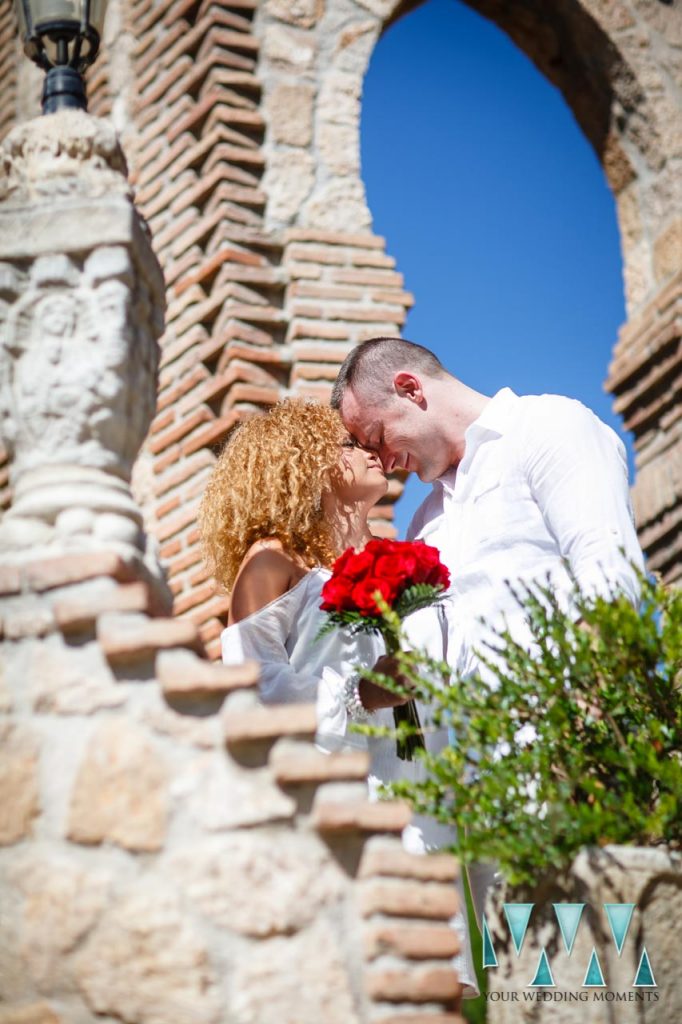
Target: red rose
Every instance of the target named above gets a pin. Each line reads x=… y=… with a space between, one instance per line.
x=397 y=568
x=364 y=591
x=430 y=569
x=336 y=594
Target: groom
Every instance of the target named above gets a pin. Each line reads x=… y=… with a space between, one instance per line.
x=521 y=485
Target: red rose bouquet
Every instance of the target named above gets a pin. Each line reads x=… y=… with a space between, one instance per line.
x=401 y=575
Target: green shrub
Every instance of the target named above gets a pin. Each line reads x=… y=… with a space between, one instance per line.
x=600 y=758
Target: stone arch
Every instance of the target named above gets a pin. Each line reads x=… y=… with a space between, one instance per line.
x=619 y=67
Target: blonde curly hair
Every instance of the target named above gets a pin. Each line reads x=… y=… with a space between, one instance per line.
x=268 y=482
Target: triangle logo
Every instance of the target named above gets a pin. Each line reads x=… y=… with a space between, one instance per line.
x=568 y=915
x=543 y=973
x=489 y=957
x=619 y=915
x=644 y=976
x=518 y=915
x=593 y=976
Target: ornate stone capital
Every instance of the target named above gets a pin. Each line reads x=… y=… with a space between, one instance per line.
x=81 y=309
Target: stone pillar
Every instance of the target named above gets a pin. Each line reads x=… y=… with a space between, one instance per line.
x=81 y=309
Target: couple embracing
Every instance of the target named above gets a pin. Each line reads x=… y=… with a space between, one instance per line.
x=522 y=487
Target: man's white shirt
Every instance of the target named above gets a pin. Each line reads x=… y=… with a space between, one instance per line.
x=542 y=480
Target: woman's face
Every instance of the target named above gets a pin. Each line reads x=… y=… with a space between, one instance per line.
x=361 y=474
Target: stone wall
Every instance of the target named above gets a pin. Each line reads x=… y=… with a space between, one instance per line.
x=170 y=849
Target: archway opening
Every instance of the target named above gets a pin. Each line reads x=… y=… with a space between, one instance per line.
x=496 y=208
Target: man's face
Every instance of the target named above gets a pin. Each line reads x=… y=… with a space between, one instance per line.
x=401 y=430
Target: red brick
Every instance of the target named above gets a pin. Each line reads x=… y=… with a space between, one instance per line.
x=168 y=550
x=213 y=263
x=269 y=723
x=161 y=422
x=317 y=329
x=314 y=352
x=314 y=371
x=408 y=898
x=185 y=561
x=316 y=254
x=372 y=259
x=170 y=527
x=398 y=297
x=363 y=314
x=213 y=435
x=216 y=607
x=10 y=579
x=196 y=596
x=188 y=468
x=73 y=614
x=324 y=291
x=418 y=985
x=172 y=394
x=209 y=632
x=131 y=637
x=48 y=573
x=162 y=462
x=416 y=942
x=212 y=646
x=334 y=238
x=182 y=674
x=311 y=766
x=199 y=576
x=433 y=867
x=249 y=393
x=341 y=818
x=381 y=278
x=166 y=506
x=201 y=415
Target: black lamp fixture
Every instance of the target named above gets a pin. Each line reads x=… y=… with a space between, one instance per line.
x=62 y=37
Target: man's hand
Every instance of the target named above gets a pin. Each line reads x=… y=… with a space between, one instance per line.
x=374 y=697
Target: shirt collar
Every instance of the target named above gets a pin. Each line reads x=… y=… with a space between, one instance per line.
x=492 y=422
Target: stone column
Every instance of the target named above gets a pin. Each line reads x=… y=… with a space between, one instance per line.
x=81 y=309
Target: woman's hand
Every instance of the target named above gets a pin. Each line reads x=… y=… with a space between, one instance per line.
x=373 y=696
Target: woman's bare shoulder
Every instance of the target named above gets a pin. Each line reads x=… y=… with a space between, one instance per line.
x=267 y=571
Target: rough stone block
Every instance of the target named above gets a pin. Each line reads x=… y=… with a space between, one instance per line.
x=120 y=792
x=62 y=901
x=308 y=972
x=290 y=114
x=258 y=886
x=304 y=13
x=146 y=962
x=19 y=788
x=219 y=795
x=68 y=680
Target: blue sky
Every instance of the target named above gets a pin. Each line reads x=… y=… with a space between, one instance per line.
x=496 y=208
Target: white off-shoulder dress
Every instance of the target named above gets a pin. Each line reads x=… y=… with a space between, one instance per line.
x=296 y=666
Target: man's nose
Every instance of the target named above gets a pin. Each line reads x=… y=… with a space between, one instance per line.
x=387 y=459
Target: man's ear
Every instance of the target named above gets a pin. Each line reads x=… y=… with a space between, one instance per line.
x=407 y=385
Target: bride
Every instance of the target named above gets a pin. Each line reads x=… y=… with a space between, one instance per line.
x=290 y=492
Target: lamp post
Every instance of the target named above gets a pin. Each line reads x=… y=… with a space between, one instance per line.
x=62 y=37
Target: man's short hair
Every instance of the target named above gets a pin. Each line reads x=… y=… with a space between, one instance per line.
x=371 y=365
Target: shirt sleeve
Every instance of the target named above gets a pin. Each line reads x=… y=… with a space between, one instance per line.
x=263 y=639
x=576 y=468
